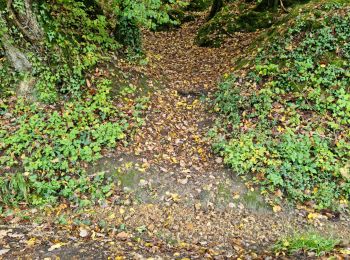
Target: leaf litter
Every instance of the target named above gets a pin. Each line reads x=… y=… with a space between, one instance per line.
x=182 y=203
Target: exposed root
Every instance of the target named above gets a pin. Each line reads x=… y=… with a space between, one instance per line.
x=26 y=23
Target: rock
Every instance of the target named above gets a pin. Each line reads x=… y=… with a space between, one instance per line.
x=83 y=233
x=4 y=251
x=123 y=235
x=218 y=160
x=143 y=183
x=182 y=181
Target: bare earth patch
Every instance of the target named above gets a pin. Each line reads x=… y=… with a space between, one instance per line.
x=176 y=198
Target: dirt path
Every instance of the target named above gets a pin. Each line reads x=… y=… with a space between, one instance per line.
x=178 y=199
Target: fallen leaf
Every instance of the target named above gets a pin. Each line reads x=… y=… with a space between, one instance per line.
x=3 y=233
x=345 y=251
x=4 y=251
x=55 y=246
x=345 y=172
x=31 y=242
x=182 y=181
x=276 y=208
x=313 y=216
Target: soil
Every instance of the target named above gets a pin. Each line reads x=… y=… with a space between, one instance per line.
x=177 y=200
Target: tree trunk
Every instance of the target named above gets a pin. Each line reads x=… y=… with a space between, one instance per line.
x=215 y=8
x=16 y=57
x=26 y=21
x=27 y=24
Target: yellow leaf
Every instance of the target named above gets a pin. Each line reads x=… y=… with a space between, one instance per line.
x=345 y=251
x=313 y=216
x=345 y=171
x=276 y=208
x=112 y=216
x=56 y=246
x=31 y=242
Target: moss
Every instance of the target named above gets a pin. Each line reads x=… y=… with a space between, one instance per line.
x=129 y=179
x=251 y=21
x=224 y=23
x=269 y=4
x=224 y=193
x=253 y=200
x=199 y=5
x=210 y=35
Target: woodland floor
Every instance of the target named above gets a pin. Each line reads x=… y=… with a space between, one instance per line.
x=178 y=200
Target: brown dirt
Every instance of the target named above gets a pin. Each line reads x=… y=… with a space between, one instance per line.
x=179 y=202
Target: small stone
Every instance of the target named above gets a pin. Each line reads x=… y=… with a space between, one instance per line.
x=143 y=183
x=183 y=181
x=231 y=205
x=123 y=235
x=83 y=232
x=197 y=206
x=4 y=251
x=311 y=254
x=7 y=115
x=218 y=160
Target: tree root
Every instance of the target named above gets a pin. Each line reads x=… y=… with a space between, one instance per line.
x=31 y=30
x=282 y=6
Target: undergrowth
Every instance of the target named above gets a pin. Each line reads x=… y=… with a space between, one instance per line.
x=45 y=149
x=287 y=122
x=50 y=136
x=309 y=242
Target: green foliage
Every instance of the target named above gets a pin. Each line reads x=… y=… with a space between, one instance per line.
x=76 y=42
x=47 y=148
x=199 y=5
x=147 y=13
x=306 y=243
x=287 y=123
x=131 y=15
x=9 y=78
x=78 y=36
x=226 y=22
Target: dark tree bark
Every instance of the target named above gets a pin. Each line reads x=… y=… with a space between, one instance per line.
x=215 y=8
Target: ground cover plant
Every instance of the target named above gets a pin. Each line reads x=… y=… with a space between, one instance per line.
x=287 y=122
x=105 y=108
x=57 y=110
x=306 y=243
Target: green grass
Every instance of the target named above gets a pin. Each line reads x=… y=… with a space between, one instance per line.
x=305 y=243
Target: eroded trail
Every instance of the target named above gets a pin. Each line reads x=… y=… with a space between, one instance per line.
x=178 y=201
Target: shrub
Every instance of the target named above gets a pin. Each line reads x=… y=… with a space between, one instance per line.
x=44 y=149
x=287 y=122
